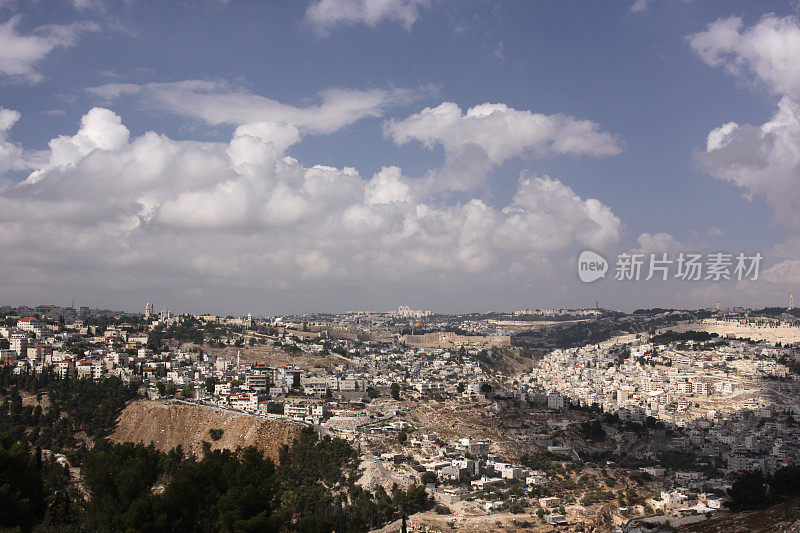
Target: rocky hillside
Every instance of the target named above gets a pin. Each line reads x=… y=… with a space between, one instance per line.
x=168 y=424
x=782 y=518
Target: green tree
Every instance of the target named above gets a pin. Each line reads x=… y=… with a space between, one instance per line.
x=785 y=483
x=749 y=491
x=429 y=477
x=22 y=498
x=395 y=388
x=116 y=477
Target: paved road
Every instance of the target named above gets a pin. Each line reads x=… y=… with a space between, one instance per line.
x=385 y=473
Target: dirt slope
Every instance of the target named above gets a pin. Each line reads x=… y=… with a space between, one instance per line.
x=782 y=518
x=169 y=424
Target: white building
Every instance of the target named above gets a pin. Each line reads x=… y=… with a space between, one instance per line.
x=555 y=400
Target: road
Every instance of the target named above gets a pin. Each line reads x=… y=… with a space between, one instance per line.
x=385 y=473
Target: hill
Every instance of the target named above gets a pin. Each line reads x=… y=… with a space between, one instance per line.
x=784 y=517
x=168 y=424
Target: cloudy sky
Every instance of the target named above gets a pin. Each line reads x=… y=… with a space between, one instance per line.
x=333 y=155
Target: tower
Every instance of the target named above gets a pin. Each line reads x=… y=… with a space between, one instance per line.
x=791 y=302
x=148 y=310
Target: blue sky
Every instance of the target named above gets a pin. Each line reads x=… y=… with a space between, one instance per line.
x=597 y=138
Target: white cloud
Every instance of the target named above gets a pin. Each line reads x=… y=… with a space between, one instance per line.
x=11 y=157
x=499 y=51
x=762 y=160
x=784 y=272
x=662 y=242
x=639 y=6
x=545 y=214
x=387 y=186
x=489 y=134
x=108 y=212
x=769 y=51
x=20 y=53
x=218 y=103
x=659 y=243
x=326 y=15
x=100 y=129
x=88 y=5
x=503 y=132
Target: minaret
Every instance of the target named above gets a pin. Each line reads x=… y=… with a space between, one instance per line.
x=791 y=302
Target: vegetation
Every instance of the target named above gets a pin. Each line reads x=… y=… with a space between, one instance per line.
x=429 y=477
x=312 y=488
x=672 y=336
x=21 y=486
x=754 y=490
x=80 y=405
x=592 y=430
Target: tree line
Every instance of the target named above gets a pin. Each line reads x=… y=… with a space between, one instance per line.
x=133 y=487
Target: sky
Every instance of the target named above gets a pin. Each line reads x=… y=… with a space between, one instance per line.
x=335 y=155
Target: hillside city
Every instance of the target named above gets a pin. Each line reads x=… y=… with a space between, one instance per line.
x=584 y=419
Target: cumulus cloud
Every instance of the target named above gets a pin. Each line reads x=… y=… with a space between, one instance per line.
x=659 y=243
x=218 y=103
x=100 y=129
x=326 y=15
x=503 y=132
x=20 y=53
x=768 y=52
x=108 y=210
x=762 y=160
x=662 y=242
x=783 y=272
x=489 y=134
